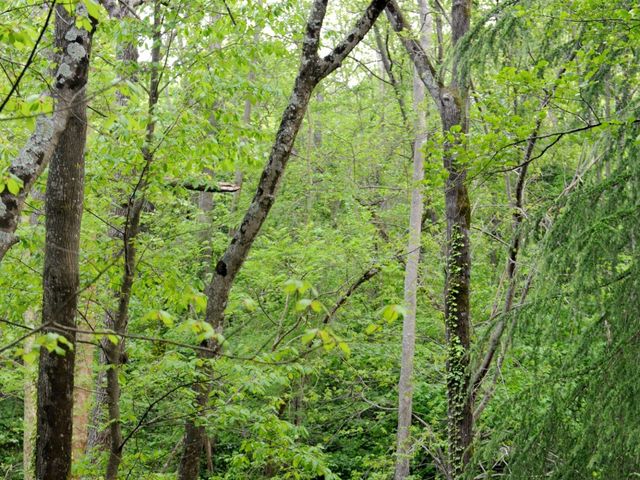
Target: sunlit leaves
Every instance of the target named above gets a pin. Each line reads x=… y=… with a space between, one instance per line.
x=10 y=182
x=327 y=339
x=53 y=342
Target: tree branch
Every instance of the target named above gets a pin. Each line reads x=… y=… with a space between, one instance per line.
x=15 y=84
x=69 y=85
x=311 y=40
x=419 y=57
x=220 y=187
x=357 y=33
x=366 y=276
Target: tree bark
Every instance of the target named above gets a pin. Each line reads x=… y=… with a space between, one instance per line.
x=30 y=399
x=118 y=320
x=452 y=104
x=64 y=201
x=312 y=70
x=405 y=384
x=70 y=79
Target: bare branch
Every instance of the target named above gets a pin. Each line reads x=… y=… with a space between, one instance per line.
x=344 y=48
x=419 y=57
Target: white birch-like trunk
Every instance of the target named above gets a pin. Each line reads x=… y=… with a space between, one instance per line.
x=405 y=385
x=30 y=392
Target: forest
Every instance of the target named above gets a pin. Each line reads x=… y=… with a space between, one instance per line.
x=312 y=239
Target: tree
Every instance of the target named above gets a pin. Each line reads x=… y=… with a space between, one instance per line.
x=405 y=385
x=301 y=379
x=452 y=103
x=64 y=202
x=312 y=70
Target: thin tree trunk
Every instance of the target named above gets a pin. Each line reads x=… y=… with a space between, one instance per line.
x=312 y=70
x=84 y=383
x=518 y=217
x=387 y=67
x=246 y=120
x=30 y=399
x=405 y=385
x=64 y=201
x=98 y=438
x=452 y=104
x=118 y=320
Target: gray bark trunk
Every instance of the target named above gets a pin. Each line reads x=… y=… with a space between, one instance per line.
x=405 y=385
x=70 y=79
x=64 y=201
x=452 y=103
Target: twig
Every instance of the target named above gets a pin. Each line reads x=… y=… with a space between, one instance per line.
x=14 y=86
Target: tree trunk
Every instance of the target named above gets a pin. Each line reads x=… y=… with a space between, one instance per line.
x=30 y=393
x=118 y=320
x=64 y=201
x=70 y=79
x=82 y=394
x=457 y=307
x=312 y=70
x=99 y=438
x=453 y=113
x=405 y=385
x=452 y=103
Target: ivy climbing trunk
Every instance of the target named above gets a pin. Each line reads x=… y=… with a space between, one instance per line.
x=452 y=103
x=312 y=70
x=453 y=113
x=64 y=203
x=457 y=289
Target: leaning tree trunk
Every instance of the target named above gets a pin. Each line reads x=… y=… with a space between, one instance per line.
x=405 y=385
x=70 y=80
x=312 y=70
x=64 y=201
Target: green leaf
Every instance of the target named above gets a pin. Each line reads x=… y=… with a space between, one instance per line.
x=95 y=10
x=250 y=304
x=290 y=286
x=14 y=184
x=166 y=318
x=372 y=328
x=83 y=23
x=303 y=304
x=308 y=337
x=199 y=302
x=30 y=357
x=345 y=348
